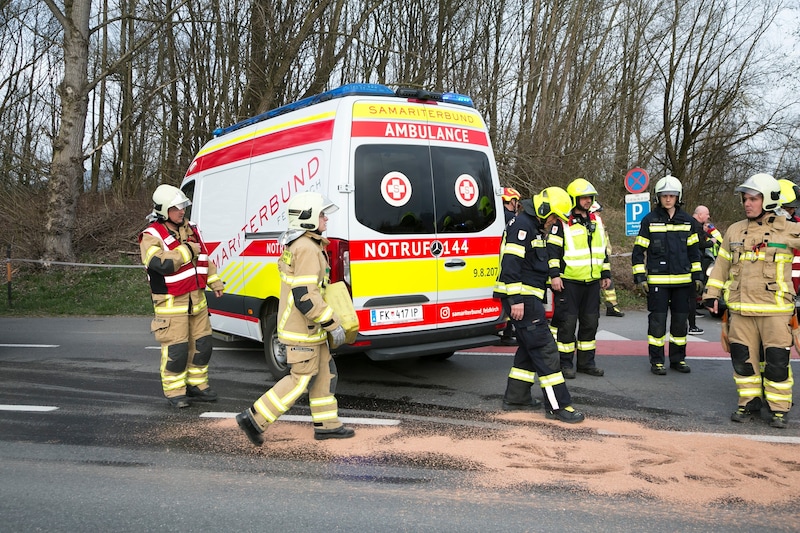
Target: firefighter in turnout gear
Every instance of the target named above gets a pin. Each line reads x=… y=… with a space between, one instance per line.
x=520 y=286
x=510 y=199
x=304 y=322
x=584 y=268
x=753 y=274
x=666 y=265
x=179 y=271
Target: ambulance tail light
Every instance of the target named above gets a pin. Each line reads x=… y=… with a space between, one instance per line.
x=339 y=257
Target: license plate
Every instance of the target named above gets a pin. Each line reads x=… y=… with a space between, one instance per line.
x=395 y=315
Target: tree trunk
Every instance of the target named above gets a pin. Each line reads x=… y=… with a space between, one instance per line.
x=66 y=171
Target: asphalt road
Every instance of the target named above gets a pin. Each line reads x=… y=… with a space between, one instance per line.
x=82 y=442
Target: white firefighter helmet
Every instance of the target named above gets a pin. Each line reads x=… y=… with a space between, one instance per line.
x=765 y=185
x=669 y=185
x=304 y=209
x=166 y=196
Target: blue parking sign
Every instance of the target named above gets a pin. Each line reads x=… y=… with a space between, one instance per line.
x=637 y=206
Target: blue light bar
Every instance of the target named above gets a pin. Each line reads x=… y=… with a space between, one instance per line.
x=352 y=89
x=458 y=99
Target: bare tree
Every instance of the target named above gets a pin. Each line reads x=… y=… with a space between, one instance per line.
x=709 y=64
x=66 y=170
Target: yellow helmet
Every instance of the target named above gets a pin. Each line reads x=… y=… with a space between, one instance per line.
x=580 y=187
x=552 y=200
x=790 y=193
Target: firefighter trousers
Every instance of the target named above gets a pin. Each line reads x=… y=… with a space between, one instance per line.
x=536 y=354
x=184 y=331
x=754 y=337
x=578 y=305
x=660 y=300
x=313 y=370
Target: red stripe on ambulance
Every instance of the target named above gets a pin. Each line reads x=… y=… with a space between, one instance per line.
x=430 y=132
x=263 y=249
x=421 y=248
x=265 y=144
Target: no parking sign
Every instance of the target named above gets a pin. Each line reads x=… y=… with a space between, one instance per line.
x=637 y=204
x=637 y=180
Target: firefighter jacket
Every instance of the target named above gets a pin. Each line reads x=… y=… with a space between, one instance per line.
x=524 y=259
x=303 y=315
x=795 y=262
x=754 y=267
x=581 y=247
x=672 y=249
x=177 y=261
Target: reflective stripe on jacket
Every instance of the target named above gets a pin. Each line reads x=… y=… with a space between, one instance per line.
x=524 y=260
x=171 y=265
x=671 y=248
x=585 y=256
x=753 y=270
x=304 y=270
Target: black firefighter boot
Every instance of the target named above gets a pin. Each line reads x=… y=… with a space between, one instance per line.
x=518 y=397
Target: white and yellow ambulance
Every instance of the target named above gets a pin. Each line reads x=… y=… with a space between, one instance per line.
x=417 y=234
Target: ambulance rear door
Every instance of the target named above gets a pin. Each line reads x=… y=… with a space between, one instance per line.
x=424 y=229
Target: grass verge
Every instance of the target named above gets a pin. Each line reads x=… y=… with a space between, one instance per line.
x=81 y=291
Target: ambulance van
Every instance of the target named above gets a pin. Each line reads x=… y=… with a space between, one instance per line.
x=416 y=237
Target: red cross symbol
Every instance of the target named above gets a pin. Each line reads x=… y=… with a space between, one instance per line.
x=467 y=191
x=396 y=189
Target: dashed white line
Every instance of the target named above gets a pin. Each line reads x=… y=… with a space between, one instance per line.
x=28 y=408
x=29 y=345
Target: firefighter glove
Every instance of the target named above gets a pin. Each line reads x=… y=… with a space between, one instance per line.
x=643 y=287
x=709 y=302
x=698 y=286
x=337 y=337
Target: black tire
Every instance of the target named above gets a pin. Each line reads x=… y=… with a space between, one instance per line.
x=274 y=351
x=438 y=356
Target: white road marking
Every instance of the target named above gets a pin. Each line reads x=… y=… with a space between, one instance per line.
x=28 y=408
x=305 y=418
x=761 y=438
x=29 y=345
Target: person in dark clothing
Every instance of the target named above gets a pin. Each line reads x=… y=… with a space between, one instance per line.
x=666 y=268
x=699 y=218
x=520 y=286
x=511 y=206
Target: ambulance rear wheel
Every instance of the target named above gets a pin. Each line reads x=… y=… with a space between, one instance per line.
x=438 y=356
x=274 y=350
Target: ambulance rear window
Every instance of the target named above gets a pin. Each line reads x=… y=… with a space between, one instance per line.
x=423 y=190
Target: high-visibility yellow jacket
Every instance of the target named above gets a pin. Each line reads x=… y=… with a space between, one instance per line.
x=583 y=248
x=754 y=267
x=303 y=315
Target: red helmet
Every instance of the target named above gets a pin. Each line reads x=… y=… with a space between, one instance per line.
x=509 y=194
